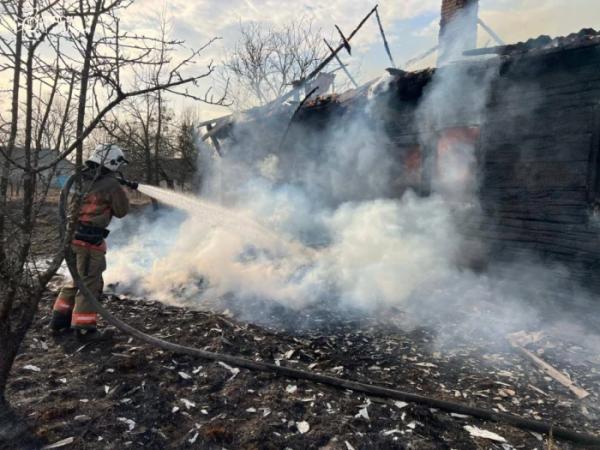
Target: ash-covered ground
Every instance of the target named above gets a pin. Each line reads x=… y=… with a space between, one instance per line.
x=124 y=394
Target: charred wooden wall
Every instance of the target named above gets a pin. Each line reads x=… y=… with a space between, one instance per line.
x=538 y=150
x=539 y=147
x=538 y=156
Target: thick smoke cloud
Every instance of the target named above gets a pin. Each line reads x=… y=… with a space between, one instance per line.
x=310 y=222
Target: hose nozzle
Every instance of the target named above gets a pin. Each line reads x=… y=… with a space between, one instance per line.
x=130 y=184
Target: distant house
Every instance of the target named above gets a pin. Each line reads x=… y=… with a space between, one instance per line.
x=172 y=172
x=177 y=171
x=56 y=175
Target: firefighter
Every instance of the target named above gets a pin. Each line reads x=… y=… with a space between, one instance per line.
x=103 y=198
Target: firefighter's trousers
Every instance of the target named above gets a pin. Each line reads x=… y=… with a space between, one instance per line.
x=71 y=307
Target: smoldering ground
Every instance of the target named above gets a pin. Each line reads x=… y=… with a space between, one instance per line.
x=286 y=229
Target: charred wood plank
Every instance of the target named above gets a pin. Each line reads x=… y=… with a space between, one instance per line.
x=558 y=196
x=542 y=212
x=575 y=232
x=556 y=242
x=594 y=159
x=328 y=59
x=491 y=32
x=213 y=139
x=342 y=65
x=345 y=42
x=538 y=175
x=385 y=42
x=564 y=148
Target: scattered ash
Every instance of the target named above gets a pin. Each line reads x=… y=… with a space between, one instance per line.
x=123 y=394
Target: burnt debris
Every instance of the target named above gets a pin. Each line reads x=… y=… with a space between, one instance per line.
x=136 y=394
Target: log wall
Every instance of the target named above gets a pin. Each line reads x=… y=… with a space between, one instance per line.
x=539 y=146
x=538 y=154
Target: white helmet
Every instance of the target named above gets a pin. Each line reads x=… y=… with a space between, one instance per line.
x=108 y=155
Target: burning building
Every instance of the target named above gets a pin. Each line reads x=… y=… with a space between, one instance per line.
x=535 y=141
x=517 y=129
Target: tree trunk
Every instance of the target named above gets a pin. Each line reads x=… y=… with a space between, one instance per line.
x=11 y=428
x=157 y=140
x=146 y=141
x=6 y=359
x=148 y=161
x=84 y=83
x=13 y=126
x=14 y=430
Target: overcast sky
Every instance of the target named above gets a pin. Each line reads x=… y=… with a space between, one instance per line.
x=411 y=26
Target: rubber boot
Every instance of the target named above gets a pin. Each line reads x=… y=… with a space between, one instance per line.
x=60 y=322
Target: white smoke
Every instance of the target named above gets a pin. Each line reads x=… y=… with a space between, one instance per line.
x=351 y=246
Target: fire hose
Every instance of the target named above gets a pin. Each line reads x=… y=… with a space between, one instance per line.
x=278 y=370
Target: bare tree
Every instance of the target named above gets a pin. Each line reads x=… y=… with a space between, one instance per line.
x=266 y=61
x=142 y=125
x=188 y=137
x=70 y=66
x=139 y=127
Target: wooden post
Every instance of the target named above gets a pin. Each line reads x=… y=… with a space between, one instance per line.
x=491 y=32
x=342 y=65
x=422 y=56
x=214 y=140
x=385 y=42
x=327 y=60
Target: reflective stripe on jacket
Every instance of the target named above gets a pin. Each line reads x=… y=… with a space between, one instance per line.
x=104 y=198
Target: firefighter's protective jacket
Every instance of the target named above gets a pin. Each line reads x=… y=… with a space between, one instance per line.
x=104 y=198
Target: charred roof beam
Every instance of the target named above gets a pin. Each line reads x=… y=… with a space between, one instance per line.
x=342 y=65
x=385 y=42
x=329 y=58
x=491 y=32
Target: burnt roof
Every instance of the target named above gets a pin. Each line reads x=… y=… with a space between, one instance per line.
x=541 y=44
x=408 y=86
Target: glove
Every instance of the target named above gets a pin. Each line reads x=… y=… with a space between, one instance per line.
x=130 y=184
